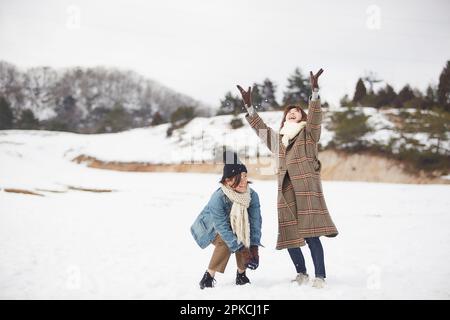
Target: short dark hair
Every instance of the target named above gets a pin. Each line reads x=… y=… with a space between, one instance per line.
x=237 y=180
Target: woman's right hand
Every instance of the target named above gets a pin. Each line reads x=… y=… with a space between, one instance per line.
x=246 y=255
x=246 y=96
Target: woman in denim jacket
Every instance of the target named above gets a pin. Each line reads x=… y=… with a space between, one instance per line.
x=232 y=222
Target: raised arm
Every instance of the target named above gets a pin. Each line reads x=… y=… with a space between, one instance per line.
x=314 y=120
x=268 y=136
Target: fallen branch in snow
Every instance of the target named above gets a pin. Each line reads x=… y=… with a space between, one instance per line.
x=89 y=189
x=23 y=191
x=53 y=191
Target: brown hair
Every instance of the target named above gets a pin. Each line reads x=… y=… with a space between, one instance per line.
x=237 y=180
x=292 y=106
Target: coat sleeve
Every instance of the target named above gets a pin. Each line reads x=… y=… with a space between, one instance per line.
x=254 y=212
x=221 y=222
x=268 y=136
x=314 y=120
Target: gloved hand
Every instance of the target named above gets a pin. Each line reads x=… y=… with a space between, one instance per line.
x=246 y=255
x=314 y=79
x=254 y=258
x=246 y=96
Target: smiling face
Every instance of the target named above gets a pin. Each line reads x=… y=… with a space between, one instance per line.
x=241 y=186
x=293 y=115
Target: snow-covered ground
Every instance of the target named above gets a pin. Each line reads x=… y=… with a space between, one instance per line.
x=394 y=240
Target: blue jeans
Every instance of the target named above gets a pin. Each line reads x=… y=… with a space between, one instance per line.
x=315 y=246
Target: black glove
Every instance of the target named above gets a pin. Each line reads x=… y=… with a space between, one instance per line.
x=254 y=258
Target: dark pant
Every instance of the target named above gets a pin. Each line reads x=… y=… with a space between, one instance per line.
x=315 y=246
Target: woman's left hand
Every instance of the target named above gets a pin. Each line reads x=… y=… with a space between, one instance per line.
x=314 y=79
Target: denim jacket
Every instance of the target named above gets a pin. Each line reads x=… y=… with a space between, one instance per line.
x=215 y=219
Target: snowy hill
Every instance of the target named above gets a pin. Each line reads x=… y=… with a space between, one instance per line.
x=197 y=141
x=43 y=89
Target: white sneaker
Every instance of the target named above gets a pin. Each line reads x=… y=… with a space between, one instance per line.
x=302 y=278
x=318 y=283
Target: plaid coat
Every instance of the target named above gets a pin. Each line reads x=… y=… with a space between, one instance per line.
x=302 y=212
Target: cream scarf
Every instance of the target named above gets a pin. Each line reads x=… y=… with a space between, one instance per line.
x=239 y=214
x=290 y=130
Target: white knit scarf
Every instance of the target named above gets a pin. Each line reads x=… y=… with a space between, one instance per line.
x=239 y=214
x=291 y=129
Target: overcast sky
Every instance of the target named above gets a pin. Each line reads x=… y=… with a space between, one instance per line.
x=203 y=48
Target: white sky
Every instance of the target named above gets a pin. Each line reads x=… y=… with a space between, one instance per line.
x=204 y=47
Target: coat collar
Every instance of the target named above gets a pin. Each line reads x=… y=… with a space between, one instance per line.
x=290 y=142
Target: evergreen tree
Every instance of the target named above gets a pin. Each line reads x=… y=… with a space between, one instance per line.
x=157 y=119
x=183 y=114
x=349 y=126
x=269 y=101
x=256 y=96
x=360 y=91
x=385 y=96
x=27 y=120
x=434 y=123
x=232 y=104
x=405 y=95
x=117 y=119
x=298 y=89
x=430 y=98
x=443 y=92
x=6 y=115
x=437 y=127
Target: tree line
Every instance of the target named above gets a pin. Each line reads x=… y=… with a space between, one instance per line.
x=413 y=112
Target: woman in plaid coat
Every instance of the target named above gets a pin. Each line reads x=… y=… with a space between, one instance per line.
x=302 y=212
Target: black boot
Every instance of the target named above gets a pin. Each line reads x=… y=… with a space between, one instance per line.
x=207 y=281
x=241 y=278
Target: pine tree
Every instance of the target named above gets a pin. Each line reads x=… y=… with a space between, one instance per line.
x=430 y=98
x=232 y=104
x=349 y=126
x=183 y=114
x=6 y=115
x=256 y=96
x=298 y=89
x=405 y=95
x=269 y=101
x=435 y=124
x=360 y=91
x=443 y=92
x=385 y=96
x=117 y=119
x=27 y=120
x=437 y=127
x=157 y=119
